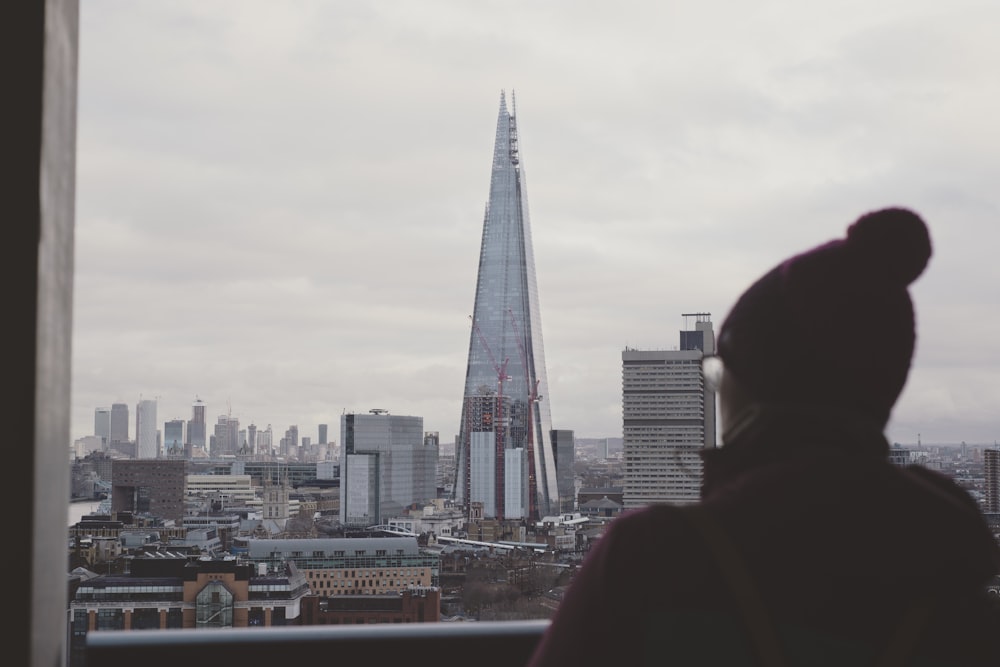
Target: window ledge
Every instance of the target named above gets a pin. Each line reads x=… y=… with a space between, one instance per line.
x=505 y=643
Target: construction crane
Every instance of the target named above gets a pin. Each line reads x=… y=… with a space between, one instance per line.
x=498 y=429
x=533 y=397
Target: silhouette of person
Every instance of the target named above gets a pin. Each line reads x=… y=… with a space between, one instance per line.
x=808 y=546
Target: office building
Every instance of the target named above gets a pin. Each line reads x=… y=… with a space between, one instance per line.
x=232 y=490
x=265 y=441
x=668 y=418
x=348 y=566
x=119 y=423
x=564 y=446
x=102 y=426
x=152 y=487
x=168 y=589
x=146 y=444
x=414 y=605
x=991 y=466
x=289 y=445
x=322 y=434
x=226 y=439
x=506 y=397
x=385 y=466
x=173 y=437
x=197 y=432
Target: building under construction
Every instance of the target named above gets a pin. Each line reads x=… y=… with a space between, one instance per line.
x=505 y=458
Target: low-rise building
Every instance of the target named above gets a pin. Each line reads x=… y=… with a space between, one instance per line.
x=414 y=605
x=166 y=589
x=348 y=566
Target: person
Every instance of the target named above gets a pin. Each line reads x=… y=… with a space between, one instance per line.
x=808 y=546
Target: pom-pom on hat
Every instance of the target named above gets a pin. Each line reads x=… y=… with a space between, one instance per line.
x=833 y=326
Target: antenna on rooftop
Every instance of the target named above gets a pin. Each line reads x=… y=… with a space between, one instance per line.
x=699 y=317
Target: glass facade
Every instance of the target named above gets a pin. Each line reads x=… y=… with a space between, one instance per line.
x=385 y=466
x=214 y=605
x=173 y=437
x=506 y=389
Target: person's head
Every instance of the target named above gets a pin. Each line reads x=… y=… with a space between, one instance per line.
x=832 y=327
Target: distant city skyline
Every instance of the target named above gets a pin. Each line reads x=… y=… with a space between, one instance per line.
x=279 y=205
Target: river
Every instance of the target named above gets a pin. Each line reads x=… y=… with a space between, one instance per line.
x=80 y=509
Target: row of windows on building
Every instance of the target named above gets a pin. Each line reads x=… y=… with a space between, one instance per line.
x=359 y=553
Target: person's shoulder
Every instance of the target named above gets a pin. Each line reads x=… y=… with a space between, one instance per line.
x=948 y=509
x=653 y=526
x=658 y=517
x=936 y=485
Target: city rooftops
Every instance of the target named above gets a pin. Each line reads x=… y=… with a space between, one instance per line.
x=334 y=547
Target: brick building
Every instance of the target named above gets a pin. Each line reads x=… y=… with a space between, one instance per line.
x=414 y=605
x=173 y=590
x=152 y=486
x=349 y=566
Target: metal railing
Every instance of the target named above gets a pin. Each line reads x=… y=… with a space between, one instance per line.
x=484 y=644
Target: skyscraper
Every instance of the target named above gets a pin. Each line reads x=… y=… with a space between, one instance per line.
x=119 y=422
x=991 y=464
x=197 y=427
x=386 y=464
x=226 y=440
x=290 y=443
x=102 y=426
x=668 y=418
x=173 y=437
x=146 y=443
x=564 y=445
x=265 y=439
x=506 y=399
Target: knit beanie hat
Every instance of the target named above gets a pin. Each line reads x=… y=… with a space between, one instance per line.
x=833 y=326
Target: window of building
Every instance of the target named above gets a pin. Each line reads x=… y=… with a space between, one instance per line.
x=214 y=606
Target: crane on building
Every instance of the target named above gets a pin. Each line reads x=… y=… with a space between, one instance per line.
x=533 y=397
x=498 y=423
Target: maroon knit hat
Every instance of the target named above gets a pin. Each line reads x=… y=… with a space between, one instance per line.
x=833 y=326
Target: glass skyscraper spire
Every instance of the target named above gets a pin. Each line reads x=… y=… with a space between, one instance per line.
x=505 y=457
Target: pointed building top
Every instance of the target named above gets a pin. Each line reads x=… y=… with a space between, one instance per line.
x=513 y=102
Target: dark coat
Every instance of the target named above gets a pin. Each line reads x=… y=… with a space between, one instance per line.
x=838 y=545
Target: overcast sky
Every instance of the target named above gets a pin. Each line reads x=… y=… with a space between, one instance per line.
x=280 y=203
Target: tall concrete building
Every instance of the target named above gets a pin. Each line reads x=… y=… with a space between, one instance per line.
x=504 y=452
x=668 y=418
x=386 y=464
x=102 y=426
x=322 y=434
x=289 y=445
x=991 y=464
x=265 y=441
x=119 y=422
x=146 y=437
x=226 y=440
